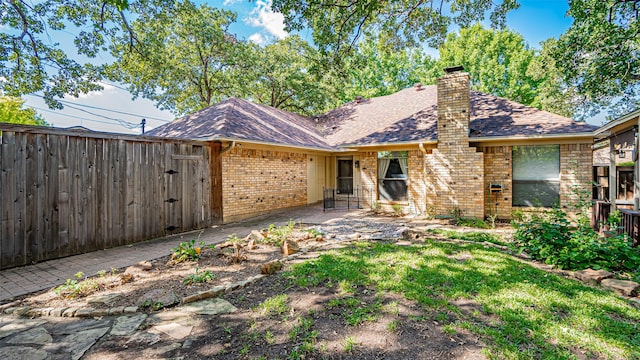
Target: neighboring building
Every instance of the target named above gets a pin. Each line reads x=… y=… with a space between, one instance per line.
x=615 y=158
x=431 y=149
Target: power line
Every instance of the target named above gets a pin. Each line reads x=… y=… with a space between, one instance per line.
x=124 y=123
x=76 y=117
x=68 y=103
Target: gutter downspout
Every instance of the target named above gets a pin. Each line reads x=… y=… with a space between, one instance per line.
x=228 y=148
x=424 y=170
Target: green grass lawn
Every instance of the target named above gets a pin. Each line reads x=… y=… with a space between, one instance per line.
x=519 y=312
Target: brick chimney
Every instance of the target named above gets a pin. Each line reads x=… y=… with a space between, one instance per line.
x=453 y=107
x=456 y=170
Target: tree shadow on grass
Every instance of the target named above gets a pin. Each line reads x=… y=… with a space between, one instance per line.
x=537 y=314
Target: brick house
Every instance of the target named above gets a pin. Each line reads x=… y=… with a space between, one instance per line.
x=431 y=149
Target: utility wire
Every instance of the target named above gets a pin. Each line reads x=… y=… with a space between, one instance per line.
x=71 y=104
x=75 y=117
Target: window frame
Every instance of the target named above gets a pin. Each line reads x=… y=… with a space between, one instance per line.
x=393 y=155
x=518 y=199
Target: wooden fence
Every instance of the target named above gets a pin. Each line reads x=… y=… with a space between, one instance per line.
x=66 y=192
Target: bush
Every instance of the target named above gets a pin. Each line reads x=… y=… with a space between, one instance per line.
x=549 y=237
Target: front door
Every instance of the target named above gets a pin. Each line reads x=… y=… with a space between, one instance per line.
x=345 y=175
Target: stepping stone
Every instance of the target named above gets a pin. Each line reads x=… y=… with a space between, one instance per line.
x=18 y=325
x=145 y=338
x=38 y=336
x=215 y=306
x=77 y=344
x=158 y=299
x=621 y=287
x=127 y=325
x=174 y=330
x=106 y=299
x=592 y=276
x=21 y=353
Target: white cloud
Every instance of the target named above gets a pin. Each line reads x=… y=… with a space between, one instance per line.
x=262 y=16
x=230 y=2
x=106 y=88
x=258 y=39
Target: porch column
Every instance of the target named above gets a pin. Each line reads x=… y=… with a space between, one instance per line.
x=613 y=176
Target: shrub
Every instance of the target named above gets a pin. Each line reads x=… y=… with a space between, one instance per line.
x=549 y=237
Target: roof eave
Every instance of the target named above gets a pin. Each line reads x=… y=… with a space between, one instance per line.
x=268 y=143
x=529 y=137
x=617 y=122
x=396 y=143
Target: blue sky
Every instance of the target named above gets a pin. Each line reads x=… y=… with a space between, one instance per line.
x=536 y=20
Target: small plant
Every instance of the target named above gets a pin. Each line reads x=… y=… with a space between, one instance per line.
x=349 y=344
x=397 y=210
x=276 y=235
x=275 y=305
x=393 y=326
x=199 y=277
x=269 y=338
x=75 y=288
x=376 y=207
x=102 y=273
x=476 y=223
x=456 y=214
x=244 y=351
x=237 y=256
x=313 y=232
x=491 y=219
x=233 y=238
x=187 y=251
x=431 y=211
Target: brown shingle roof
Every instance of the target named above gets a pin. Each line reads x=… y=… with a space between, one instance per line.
x=238 y=119
x=411 y=115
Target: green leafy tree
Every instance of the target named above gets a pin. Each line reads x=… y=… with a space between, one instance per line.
x=12 y=111
x=31 y=62
x=374 y=69
x=599 y=55
x=496 y=60
x=185 y=58
x=553 y=94
x=339 y=24
x=289 y=75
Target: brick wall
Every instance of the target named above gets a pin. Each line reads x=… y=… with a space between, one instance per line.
x=369 y=177
x=417 y=183
x=576 y=173
x=255 y=182
x=498 y=170
x=455 y=170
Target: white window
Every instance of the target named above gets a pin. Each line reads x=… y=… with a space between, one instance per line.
x=392 y=175
x=536 y=175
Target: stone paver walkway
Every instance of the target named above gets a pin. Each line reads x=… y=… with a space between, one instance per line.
x=27 y=279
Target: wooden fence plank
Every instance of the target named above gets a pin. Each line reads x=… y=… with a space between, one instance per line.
x=64 y=193
x=9 y=194
x=51 y=190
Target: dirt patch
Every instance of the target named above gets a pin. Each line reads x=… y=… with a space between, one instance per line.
x=223 y=263
x=312 y=326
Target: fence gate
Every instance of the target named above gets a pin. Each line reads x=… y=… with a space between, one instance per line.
x=187 y=186
x=331 y=199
